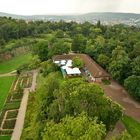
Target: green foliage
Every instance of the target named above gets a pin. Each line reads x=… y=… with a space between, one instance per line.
x=118 y=64
x=106 y=82
x=79 y=43
x=132 y=84
x=41 y=49
x=59 y=34
x=74 y=128
x=124 y=136
x=9 y=124
x=58 y=48
x=58 y=100
x=5 y=137
x=77 y=62
x=12 y=114
x=14 y=63
x=18 y=94
x=100 y=41
x=103 y=60
x=5 y=85
x=136 y=66
x=12 y=105
x=48 y=67
x=132 y=126
x=74 y=97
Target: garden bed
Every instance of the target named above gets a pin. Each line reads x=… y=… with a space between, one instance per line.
x=9 y=124
x=12 y=114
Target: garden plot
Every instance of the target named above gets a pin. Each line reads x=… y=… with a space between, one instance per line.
x=12 y=104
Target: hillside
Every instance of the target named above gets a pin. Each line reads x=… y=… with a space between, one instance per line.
x=105 y=18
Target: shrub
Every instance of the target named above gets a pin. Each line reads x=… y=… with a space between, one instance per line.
x=77 y=62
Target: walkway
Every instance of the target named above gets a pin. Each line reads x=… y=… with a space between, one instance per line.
x=8 y=74
x=117 y=93
x=22 y=110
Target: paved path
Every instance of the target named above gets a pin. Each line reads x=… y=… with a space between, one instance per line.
x=117 y=93
x=22 y=110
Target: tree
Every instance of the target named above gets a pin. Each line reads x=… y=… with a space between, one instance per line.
x=41 y=49
x=74 y=97
x=136 y=66
x=77 y=62
x=132 y=84
x=48 y=67
x=79 y=43
x=59 y=34
x=91 y=50
x=103 y=60
x=99 y=23
x=100 y=41
x=58 y=48
x=119 y=63
x=136 y=50
x=81 y=127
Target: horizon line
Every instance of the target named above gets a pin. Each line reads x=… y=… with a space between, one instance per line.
x=65 y=14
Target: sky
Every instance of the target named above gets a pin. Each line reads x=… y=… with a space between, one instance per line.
x=38 y=7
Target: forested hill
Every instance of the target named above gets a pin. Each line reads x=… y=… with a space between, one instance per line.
x=105 y=18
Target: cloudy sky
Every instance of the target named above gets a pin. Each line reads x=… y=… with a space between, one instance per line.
x=31 y=7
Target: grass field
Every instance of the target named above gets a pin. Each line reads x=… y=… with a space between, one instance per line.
x=5 y=137
x=14 y=63
x=132 y=126
x=5 y=84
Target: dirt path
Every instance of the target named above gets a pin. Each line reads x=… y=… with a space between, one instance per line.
x=8 y=74
x=117 y=93
x=22 y=110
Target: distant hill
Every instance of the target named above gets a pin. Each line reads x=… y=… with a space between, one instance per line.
x=105 y=18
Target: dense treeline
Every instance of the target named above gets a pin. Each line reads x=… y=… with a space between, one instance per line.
x=116 y=48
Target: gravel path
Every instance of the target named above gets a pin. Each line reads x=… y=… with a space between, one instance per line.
x=22 y=110
x=117 y=93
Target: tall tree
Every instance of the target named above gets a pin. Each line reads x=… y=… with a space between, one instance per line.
x=41 y=49
x=119 y=63
x=74 y=128
x=79 y=43
x=132 y=84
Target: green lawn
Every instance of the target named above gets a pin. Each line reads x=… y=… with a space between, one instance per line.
x=14 y=63
x=5 y=137
x=5 y=84
x=132 y=126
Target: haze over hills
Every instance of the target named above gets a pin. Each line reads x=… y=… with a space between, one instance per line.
x=105 y=18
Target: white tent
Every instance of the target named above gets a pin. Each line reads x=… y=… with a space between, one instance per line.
x=56 y=62
x=69 y=63
x=76 y=71
x=70 y=71
x=63 y=62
